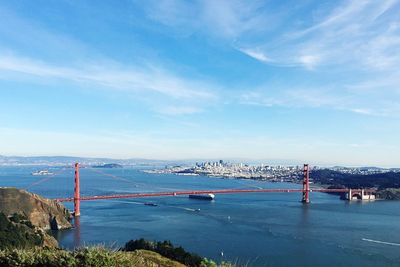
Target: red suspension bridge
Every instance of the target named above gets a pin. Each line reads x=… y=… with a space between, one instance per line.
x=306 y=190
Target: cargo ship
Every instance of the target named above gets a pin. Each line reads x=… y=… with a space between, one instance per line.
x=203 y=196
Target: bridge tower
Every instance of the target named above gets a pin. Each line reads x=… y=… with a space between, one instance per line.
x=306 y=184
x=77 y=194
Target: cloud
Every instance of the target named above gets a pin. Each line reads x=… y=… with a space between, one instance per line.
x=309 y=61
x=353 y=35
x=293 y=98
x=114 y=76
x=362 y=111
x=53 y=56
x=353 y=47
x=339 y=15
x=327 y=98
x=225 y=19
x=350 y=33
x=256 y=54
x=384 y=83
x=233 y=18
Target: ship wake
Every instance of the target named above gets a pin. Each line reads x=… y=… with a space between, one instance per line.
x=380 y=242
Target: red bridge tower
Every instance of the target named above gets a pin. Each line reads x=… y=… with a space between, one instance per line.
x=306 y=184
x=77 y=194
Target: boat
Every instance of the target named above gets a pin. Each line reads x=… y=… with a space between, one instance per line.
x=41 y=173
x=151 y=204
x=203 y=196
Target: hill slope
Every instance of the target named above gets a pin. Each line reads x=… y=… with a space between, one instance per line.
x=43 y=213
x=95 y=256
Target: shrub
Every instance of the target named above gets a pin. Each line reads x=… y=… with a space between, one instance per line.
x=166 y=249
x=14 y=235
x=86 y=257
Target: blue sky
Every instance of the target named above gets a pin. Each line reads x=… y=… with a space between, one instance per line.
x=313 y=81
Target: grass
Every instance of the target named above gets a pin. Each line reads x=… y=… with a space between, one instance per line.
x=90 y=257
x=87 y=257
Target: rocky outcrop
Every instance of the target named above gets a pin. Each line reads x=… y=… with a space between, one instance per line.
x=43 y=213
x=389 y=194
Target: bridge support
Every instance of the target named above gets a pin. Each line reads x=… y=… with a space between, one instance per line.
x=360 y=194
x=77 y=194
x=306 y=184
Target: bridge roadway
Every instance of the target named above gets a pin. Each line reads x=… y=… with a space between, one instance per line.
x=200 y=192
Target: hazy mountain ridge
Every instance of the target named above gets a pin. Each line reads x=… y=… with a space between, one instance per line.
x=67 y=160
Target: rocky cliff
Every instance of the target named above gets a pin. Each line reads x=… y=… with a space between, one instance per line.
x=43 y=213
x=389 y=194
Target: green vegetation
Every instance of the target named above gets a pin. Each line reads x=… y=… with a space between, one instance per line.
x=387 y=184
x=337 y=179
x=167 y=249
x=389 y=194
x=91 y=257
x=210 y=263
x=21 y=244
x=25 y=243
x=108 y=166
x=18 y=232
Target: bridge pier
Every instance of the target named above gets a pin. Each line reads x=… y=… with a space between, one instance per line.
x=306 y=184
x=77 y=194
x=360 y=194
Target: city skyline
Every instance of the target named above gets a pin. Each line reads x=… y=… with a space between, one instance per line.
x=313 y=81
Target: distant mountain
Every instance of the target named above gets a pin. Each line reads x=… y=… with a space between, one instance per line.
x=67 y=160
x=108 y=166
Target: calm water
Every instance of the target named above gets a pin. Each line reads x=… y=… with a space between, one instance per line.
x=254 y=229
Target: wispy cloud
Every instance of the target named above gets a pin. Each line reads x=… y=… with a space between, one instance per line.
x=170 y=79
x=256 y=54
x=294 y=98
x=351 y=34
x=55 y=56
x=356 y=34
x=327 y=98
x=309 y=61
x=339 y=15
x=357 y=37
x=223 y=18
x=384 y=83
x=114 y=76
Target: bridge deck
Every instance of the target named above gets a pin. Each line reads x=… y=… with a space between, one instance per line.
x=199 y=192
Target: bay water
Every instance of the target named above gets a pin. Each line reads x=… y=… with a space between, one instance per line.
x=252 y=229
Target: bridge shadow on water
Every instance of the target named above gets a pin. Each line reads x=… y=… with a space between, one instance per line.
x=77 y=231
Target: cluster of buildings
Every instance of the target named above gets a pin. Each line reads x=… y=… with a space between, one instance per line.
x=239 y=170
x=277 y=173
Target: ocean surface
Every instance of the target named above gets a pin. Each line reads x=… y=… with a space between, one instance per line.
x=258 y=229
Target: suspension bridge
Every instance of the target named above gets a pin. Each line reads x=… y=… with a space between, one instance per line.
x=305 y=192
